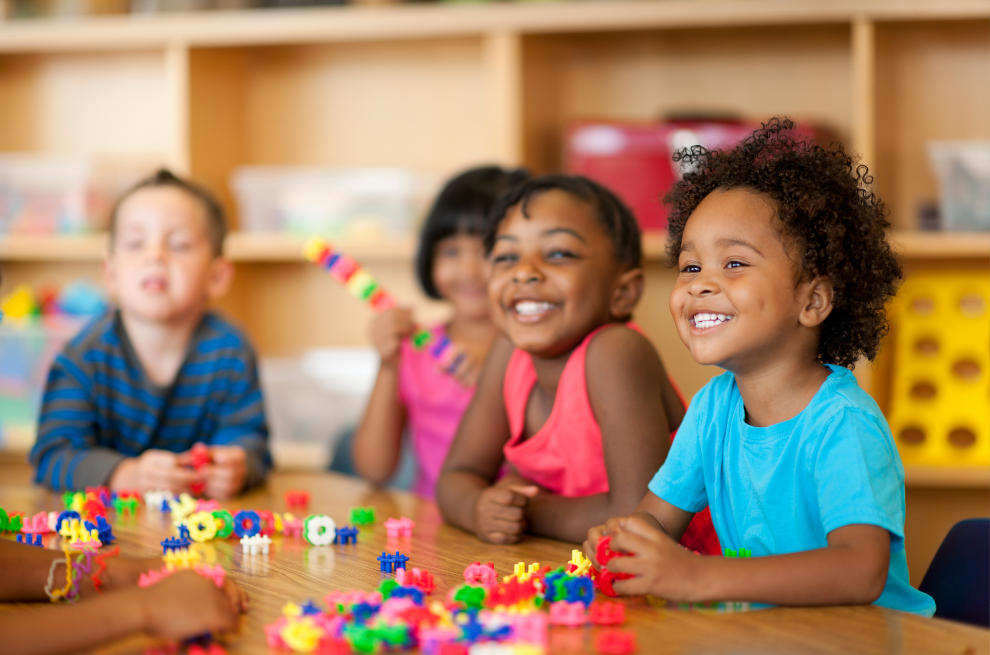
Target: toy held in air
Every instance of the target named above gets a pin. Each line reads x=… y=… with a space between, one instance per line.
x=360 y=284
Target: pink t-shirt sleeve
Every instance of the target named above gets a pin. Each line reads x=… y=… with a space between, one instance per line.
x=435 y=402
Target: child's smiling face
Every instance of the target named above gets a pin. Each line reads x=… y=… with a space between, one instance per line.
x=738 y=302
x=555 y=276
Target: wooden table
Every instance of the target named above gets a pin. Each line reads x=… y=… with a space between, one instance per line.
x=295 y=571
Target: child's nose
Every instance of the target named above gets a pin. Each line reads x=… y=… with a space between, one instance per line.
x=525 y=273
x=703 y=285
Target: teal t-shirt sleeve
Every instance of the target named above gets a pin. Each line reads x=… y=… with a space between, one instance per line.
x=681 y=479
x=858 y=476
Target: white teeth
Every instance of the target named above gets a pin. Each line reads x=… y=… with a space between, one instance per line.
x=710 y=320
x=532 y=307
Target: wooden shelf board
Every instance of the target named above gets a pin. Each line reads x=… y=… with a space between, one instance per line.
x=944 y=476
x=252 y=247
x=942 y=245
x=328 y=24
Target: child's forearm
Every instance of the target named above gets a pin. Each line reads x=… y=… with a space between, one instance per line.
x=457 y=497
x=79 y=627
x=569 y=519
x=376 y=446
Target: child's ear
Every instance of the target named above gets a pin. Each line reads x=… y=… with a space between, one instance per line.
x=818 y=295
x=220 y=278
x=628 y=291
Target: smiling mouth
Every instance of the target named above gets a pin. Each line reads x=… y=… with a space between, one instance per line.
x=532 y=308
x=702 y=321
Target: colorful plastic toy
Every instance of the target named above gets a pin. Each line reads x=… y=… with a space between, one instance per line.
x=941 y=379
x=615 y=642
x=296 y=498
x=566 y=613
x=346 y=535
x=319 y=529
x=742 y=552
x=247 y=523
x=362 y=515
x=418 y=578
x=481 y=575
x=37 y=524
x=257 y=544
x=604 y=578
x=225 y=523
x=202 y=526
x=30 y=540
x=399 y=527
x=67 y=515
x=607 y=612
x=174 y=543
x=267 y=520
x=291 y=526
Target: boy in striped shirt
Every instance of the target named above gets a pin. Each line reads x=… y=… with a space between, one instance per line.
x=137 y=388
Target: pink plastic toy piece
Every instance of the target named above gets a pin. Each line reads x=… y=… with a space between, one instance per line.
x=481 y=575
x=569 y=614
x=215 y=573
x=393 y=608
x=453 y=649
x=343 y=269
x=291 y=526
x=273 y=633
x=37 y=524
x=606 y=612
x=432 y=639
x=616 y=642
x=399 y=527
x=207 y=505
x=151 y=577
x=531 y=628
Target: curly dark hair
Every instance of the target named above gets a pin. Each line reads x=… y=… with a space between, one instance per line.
x=825 y=207
x=614 y=216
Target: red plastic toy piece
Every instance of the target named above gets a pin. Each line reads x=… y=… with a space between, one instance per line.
x=200 y=456
x=296 y=498
x=607 y=612
x=604 y=579
x=616 y=642
x=604 y=552
x=453 y=649
x=418 y=578
x=197 y=487
x=267 y=521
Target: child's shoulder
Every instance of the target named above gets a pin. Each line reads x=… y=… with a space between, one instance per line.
x=219 y=334
x=841 y=395
x=98 y=335
x=619 y=341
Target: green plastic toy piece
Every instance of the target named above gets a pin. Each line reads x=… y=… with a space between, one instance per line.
x=742 y=552
x=15 y=523
x=228 y=523
x=3 y=520
x=362 y=639
x=469 y=595
x=362 y=515
x=386 y=588
x=420 y=339
x=393 y=635
x=67 y=499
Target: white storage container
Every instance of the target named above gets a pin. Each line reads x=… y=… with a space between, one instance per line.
x=963 y=171
x=53 y=194
x=332 y=202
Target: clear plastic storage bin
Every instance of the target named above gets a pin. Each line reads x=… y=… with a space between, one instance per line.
x=332 y=202
x=963 y=171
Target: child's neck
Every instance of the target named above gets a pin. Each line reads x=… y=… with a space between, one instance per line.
x=160 y=347
x=781 y=390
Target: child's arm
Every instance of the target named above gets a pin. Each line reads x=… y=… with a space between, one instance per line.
x=852 y=569
x=465 y=493
x=182 y=605
x=377 y=442
x=239 y=446
x=625 y=381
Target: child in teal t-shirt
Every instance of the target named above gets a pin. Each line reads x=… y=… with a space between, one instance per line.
x=784 y=270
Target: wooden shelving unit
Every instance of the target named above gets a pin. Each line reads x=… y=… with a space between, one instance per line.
x=942 y=477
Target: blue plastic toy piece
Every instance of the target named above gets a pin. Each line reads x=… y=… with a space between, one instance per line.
x=413 y=593
x=174 y=543
x=247 y=523
x=184 y=533
x=103 y=529
x=346 y=534
x=580 y=589
x=362 y=612
x=30 y=540
x=166 y=507
x=399 y=560
x=386 y=561
x=310 y=609
x=64 y=516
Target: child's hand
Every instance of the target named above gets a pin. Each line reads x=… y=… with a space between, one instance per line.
x=225 y=477
x=462 y=366
x=659 y=565
x=389 y=329
x=152 y=469
x=186 y=604
x=123 y=572
x=499 y=513
x=590 y=545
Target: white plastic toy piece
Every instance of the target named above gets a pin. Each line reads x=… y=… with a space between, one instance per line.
x=320 y=530
x=256 y=544
x=52 y=521
x=153 y=498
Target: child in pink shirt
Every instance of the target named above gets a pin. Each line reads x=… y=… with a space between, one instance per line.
x=412 y=390
x=574 y=399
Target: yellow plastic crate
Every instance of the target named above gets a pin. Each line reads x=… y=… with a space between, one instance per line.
x=940 y=401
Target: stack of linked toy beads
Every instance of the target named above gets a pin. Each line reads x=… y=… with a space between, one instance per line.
x=483 y=615
x=360 y=284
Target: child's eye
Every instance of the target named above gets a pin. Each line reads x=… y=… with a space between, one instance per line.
x=691 y=268
x=559 y=253
x=449 y=252
x=505 y=258
x=735 y=264
x=179 y=246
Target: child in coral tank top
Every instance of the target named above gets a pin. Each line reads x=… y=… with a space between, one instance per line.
x=573 y=398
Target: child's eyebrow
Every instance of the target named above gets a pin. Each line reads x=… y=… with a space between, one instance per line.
x=738 y=242
x=563 y=230
x=506 y=237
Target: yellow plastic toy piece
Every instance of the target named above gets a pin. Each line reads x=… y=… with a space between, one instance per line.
x=182 y=508
x=78 y=500
x=291 y=610
x=73 y=530
x=277 y=519
x=941 y=392
x=302 y=635
x=313 y=248
x=202 y=526
x=582 y=563
x=20 y=303
x=181 y=559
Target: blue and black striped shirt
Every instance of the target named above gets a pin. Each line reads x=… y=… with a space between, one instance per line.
x=99 y=406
